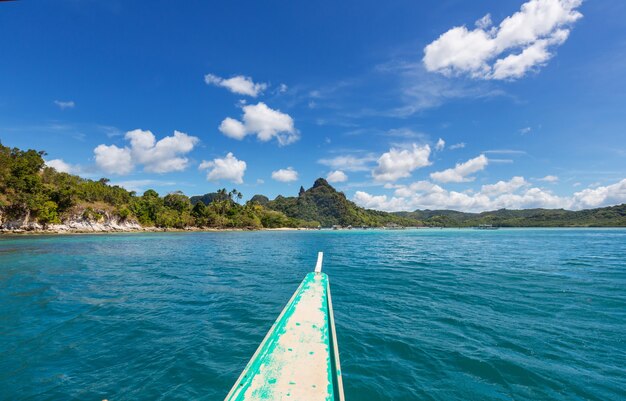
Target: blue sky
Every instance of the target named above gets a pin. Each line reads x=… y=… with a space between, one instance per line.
x=527 y=97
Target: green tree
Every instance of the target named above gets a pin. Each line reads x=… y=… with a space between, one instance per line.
x=177 y=201
x=48 y=214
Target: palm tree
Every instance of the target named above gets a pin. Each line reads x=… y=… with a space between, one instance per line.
x=222 y=194
x=235 y=195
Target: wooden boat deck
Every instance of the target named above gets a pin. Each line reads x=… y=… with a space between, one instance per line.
x=298 y=359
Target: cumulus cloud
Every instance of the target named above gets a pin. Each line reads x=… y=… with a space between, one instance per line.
x=285 y=175
x=549 y=178
x=600 y=196
x=337 y=176
x=61 y=166
x=502 y=187
x=426 y=195
x=69 y=104
x=239 y=84
x=379 y=202
x=440 y=144
x=512 y=194
x=163 y=156
x=262 y=121
x=462 y=171
x=228 y=168
x=521 y=43
x=400 y=163
x=113 y=159
x=349 y=162
x=233 y=128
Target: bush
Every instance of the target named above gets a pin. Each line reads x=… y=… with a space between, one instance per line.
x=48 y=214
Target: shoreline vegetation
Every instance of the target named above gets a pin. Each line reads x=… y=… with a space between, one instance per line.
x=38 y=199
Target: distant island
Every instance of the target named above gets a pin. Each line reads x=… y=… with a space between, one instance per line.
x=34 y=197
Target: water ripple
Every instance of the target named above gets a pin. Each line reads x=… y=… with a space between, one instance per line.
x=428 y=314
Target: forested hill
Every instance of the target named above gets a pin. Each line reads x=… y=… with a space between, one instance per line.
x=612 y=216
x=33 y=195
x=326 y=205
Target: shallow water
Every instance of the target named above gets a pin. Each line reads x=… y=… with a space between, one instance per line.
x=519 y=314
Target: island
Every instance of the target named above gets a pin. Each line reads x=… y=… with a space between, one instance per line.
x=37 y=198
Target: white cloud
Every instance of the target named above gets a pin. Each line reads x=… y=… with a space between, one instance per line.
x=233 y=128
x=426 y=195
x=531 y=198
x=521 y=43
x=379 y=202
x=283 y=88
x=549 y=178
x=63 y=167
x=162 y=156
x=165 y=155
x=462 y=171
x=65 y=104
x=399 y=163
x=460 y=50
x=285 y=175
x=228 y=168
x=525 y=130
x=516 y=65
x=502 y=187
x=239 y=84
x=349 y=163
x=440 y=144
x=114 y=160
x=264 y=122
x=459 y=145
x=601 y=196
x=512 y=194
x=337 y=176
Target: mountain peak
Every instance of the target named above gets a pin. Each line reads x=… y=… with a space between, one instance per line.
x=320 y=182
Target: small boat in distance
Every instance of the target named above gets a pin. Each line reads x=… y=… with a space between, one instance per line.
x=485 y=227
x=298 y=359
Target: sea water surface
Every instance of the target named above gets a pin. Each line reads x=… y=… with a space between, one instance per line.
x=510 y=314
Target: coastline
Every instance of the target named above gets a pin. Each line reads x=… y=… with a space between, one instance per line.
x=53 y=232
x=82 y=231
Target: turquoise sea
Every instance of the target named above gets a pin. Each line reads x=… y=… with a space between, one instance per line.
x=510 y=314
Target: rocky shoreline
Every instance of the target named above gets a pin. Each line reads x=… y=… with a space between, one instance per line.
x=61 y=231
x=74 y=225
x=107 y=224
